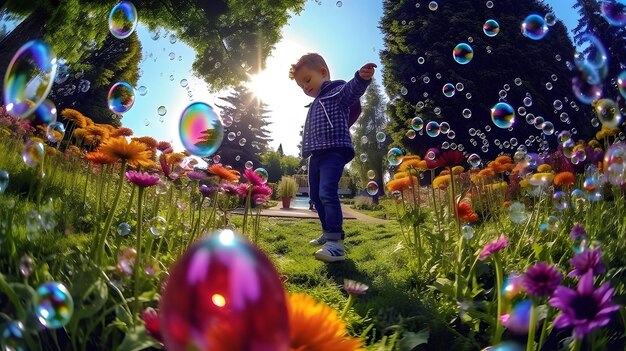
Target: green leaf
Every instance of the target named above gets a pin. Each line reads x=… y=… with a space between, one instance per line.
x=538 y=250
x=137 y=340
x=411 y=340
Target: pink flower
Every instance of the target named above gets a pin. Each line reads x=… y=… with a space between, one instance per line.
x=150 y=319
x=493 y=247
x=260 y=199
x=253 y=178
x=229 y=188
x=354 y=288
x=262 y=190
x=242 y=190
x=142 y=179
x=194 y=175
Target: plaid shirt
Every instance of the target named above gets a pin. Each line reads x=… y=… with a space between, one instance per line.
x=326 y=125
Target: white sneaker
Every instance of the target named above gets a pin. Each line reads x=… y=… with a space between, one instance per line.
x=332 y=251
x=321 y=240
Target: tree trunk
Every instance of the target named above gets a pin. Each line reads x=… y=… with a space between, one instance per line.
x=31 y=28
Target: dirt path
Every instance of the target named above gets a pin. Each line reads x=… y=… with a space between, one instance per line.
x=348 y=214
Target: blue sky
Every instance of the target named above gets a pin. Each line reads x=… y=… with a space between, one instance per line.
x=347 y=36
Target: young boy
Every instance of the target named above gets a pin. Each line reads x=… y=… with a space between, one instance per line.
x=326 y=141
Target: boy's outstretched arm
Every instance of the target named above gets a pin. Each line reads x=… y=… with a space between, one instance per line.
x=356 y=86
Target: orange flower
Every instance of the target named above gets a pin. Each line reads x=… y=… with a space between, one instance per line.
x=441 y=182
x=136 y=154
x=487 y=172
x=163 y=145
x=457 y=170
x=503 y=159
x=466 y=212
x=506 y=204
x=412 y=161
x=150 y=142
x=315 y=326
x=400 y=175
x=75 y=116
x=122 y=131
x=498 y=167
x=401 y=184
x=97 y=132
x=100 y=158
x=544 y=168
x=224 y=173
x=564 y=178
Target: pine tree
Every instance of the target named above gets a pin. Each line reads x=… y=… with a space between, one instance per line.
x=248 y=130
x=280 y=150
x=371 y=122
x=613 y=38
x=413 y=34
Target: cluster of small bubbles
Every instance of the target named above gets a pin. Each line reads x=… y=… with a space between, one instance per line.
x=158 y=226
x=381 y=137
x=463 y=53
x=433 y=129
x=534 y=27
x=394 y=156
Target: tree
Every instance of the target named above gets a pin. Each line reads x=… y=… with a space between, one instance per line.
x=278 y=165
x=248 y=130
x=371 y=122
x=231 y=38
x=300 y=133
x=280 y=149
x=418 y=61
x=613 y=38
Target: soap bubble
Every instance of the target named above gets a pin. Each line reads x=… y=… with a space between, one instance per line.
x=54 y=306
x=512 y=286
x=614 y=13
x=158 y=226
x=608 y=113
x=12 y=337
x=463 y=53
x=173 y=39
x=444 y=127
x=553 y=223
x=123 y=229
x=591 y=52
x=549 y=86
x=26 y=266
x=249 y=164
x=585 y=92
x=547 y=128
x=550 y=19
x=621 y=83
x=372 y=188
x=468 y=232
x=262 y=172
x=474 y=160
x=240 y=284
x=142 y=90
x=126 y=261
x=172 y=56
x=421 y=60
x=489 y=4
x=55 y=132
x=528 y=101
x=448 y=90
x=433 y=129
x=411 y=134
x=242 y=141
x=615 y=164
x=534 y=27
x=363 y=157
x=380 y=137
x=503 y=115
x=559 y=200
x=4 y=180
x=123 y=19
x=184 y=83
x=517 y=213
x=433 y=6
x=45 y=113
x=29 y=78
x=121 y=97
x=394 y=156
x=417 y=123
x=491 y=28
x=231 y=136
x=467 y=113
x=32 y=153
x=517 y=321
x=557 y=104
x=200 y=129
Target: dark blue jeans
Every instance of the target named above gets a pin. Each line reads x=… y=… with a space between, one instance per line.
x=325 y=171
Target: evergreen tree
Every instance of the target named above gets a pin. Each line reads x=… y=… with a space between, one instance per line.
x=280 y=150
x=613 y=38
x=371 y=122
x=418 y=60
x=248 y=130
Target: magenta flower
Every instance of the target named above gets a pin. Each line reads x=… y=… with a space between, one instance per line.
x=151 y=322
x=142 y=179
x=260 y=199
x=577 y=232
x=493 y=247
x=541 y=280
x=196 y=175
x=229 y=188
x=253 y=178
x=242 y=190
x=588 y=260
x=262 y=190
x=585 y=309
x=354 y=288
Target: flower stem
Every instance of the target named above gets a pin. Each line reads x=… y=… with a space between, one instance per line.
x=499 y=277
x=247 y=210
x=107 y=224
x=576 y=344
x=532 y=325
x=347 y=308
x=137 y=266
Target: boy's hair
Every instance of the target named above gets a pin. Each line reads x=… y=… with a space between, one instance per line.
x=310 y=60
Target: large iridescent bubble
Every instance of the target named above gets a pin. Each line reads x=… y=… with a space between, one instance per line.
x=491 y=28
x=608 y=113
x=503 y=115
x=54 y=305
x=534 y=27
x=614 y=13
x=201 y=130
x=463 y=53
x=123 y=19
x=121 y=97
x=394 y=156
x=615 y=164
x=224 y=294
x=29 y=78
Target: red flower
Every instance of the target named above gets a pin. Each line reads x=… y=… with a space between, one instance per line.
x=150 y=319
x=466 y=212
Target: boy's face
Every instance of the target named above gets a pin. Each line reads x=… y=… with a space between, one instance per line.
x=310 y=80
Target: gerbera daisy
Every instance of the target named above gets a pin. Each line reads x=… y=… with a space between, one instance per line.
x=75 y=116
x=150 y=142
x=100 y=158
x=315 y=326
x=122 y=131
x=564 y=178
x=134 y=153
x=401 y=184
x=587 y=261
x=223 y=173
x=541 y=280
x=492 y=247
x=142 y=179
x=163 y=145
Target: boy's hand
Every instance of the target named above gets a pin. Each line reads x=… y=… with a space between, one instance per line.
x=367 y=71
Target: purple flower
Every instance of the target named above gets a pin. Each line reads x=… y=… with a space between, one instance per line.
x=354 y=288
x=229 y=188
x=207 y=190
x=585 y=309
x=196 y=175
x=541 y=279
x=588 y=260
x=493 y=247
x=578 y=232
x=142 y=179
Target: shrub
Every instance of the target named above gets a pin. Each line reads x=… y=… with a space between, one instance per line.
x=365 y=203
x=287 y=187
